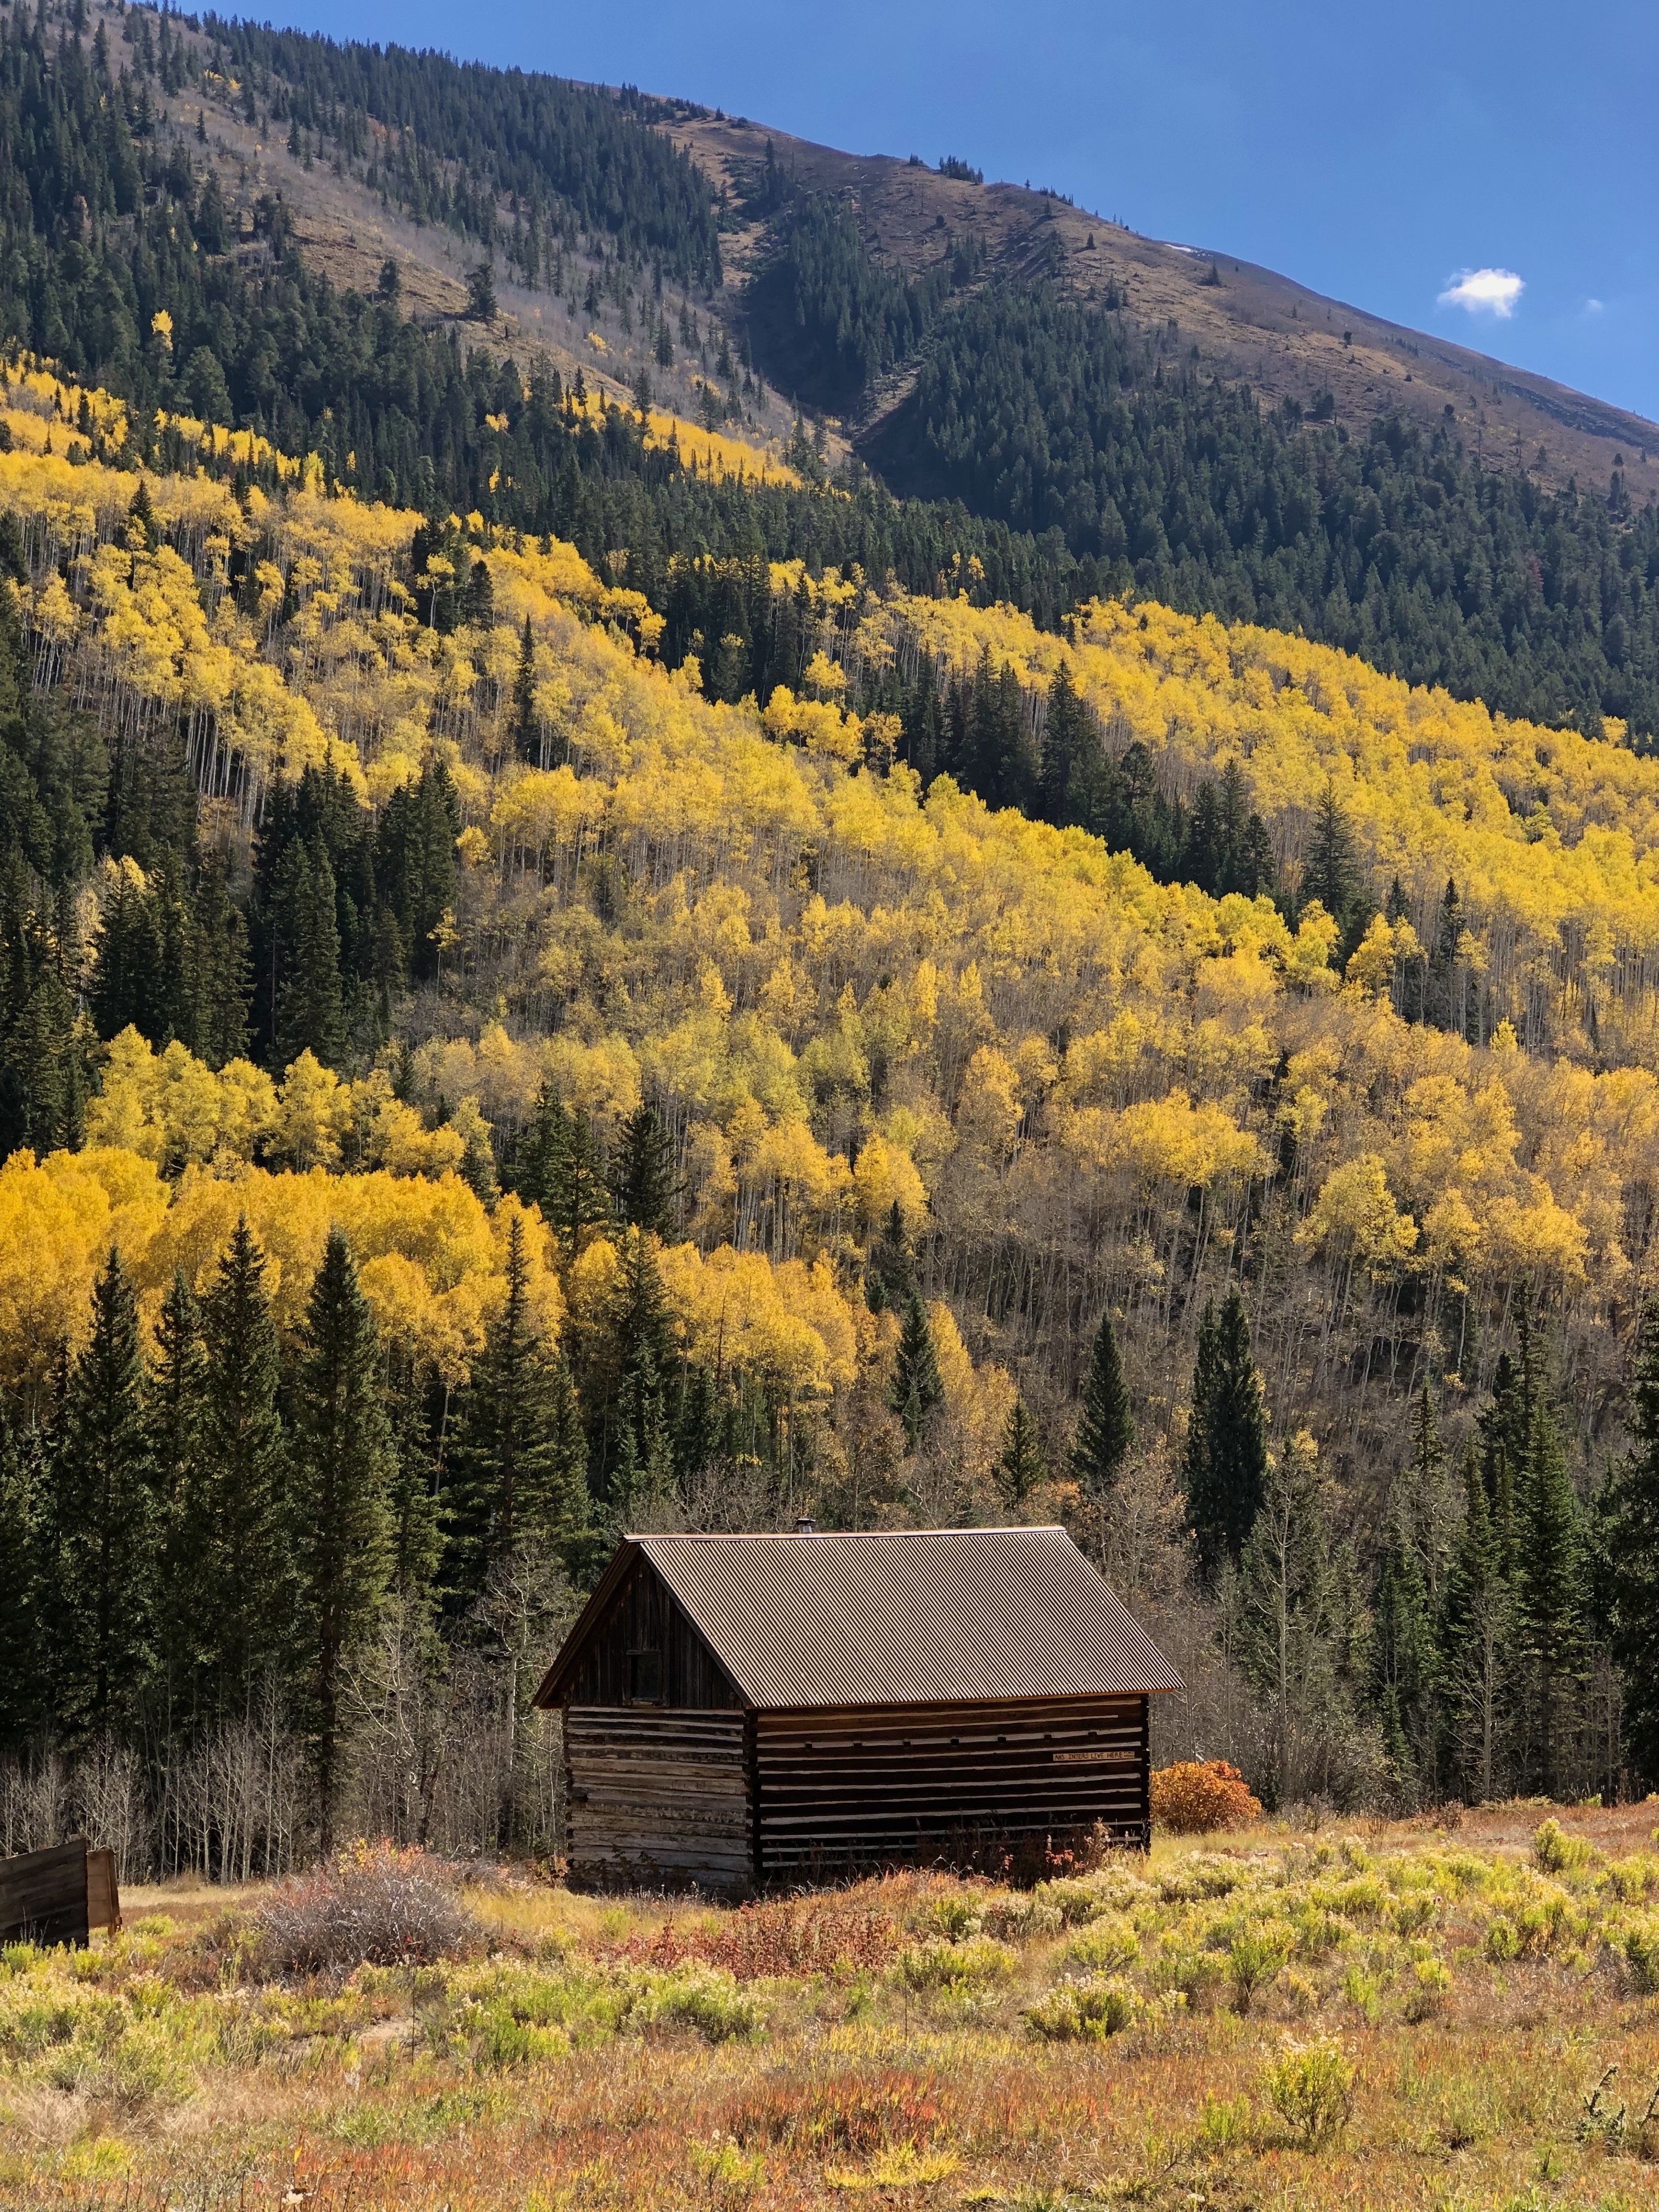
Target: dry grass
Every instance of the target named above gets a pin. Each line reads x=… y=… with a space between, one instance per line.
x=1398 y=2015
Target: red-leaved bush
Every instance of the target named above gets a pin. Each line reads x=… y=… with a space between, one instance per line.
x=1195 y=1796
x=372 y=1905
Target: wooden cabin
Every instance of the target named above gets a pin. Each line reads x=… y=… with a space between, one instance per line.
x=751 y=1708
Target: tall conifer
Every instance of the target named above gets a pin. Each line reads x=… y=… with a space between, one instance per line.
x=103 y=1522
x=505 y=1458
x=342 y=1457
x=175 y=1409
x=918 y=1390
x=246 y=1584
x=1633 y=1552
x=1224 y=1465
x=1106 y=1433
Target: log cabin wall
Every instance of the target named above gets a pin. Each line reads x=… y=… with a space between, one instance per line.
x=840 y=1788
x=658 y=1799
x=645 y=1652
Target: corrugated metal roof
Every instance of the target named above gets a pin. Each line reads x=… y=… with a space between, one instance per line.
x=899 y=1617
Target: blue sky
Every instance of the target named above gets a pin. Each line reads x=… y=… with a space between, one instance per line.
x=1376 y=153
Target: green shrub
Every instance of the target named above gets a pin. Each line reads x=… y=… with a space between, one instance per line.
x=1412 y=1914
x=1503 y=1939
x=1194 y=1879
x=1640 y=1945
x=1085 y=2012
x=710 y=1999
x=1223 y=2122
x=1102 y=1947
x=1310 y=2087
x=1195 y=1976
x=1428 y=1988
x=937 y=1965
x=1364 y=1991
x=1557 y=1852
x=1255 y=1958
x=1076 y=1902
x=953 y=1918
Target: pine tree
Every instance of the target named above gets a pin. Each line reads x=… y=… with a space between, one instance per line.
x=102 y=1524
x=567 y=1507
x=644 y=1185
x=642 y=1466
x=1071 y=746
x=310 y=1015
x=246 y=1581
x=1106 y=1433
x=22 y=1672
x=1022 y=1467
x=917 y=1389
x=1633 y=1550
x=1405 y=1650
x=526 y=734
x=504 y=1462
x=175 y=1409
x=1475 y=1640
x=1285 y=1610
x=1550 y=1592
x=341 y=1457
x=414 y=1518
x=890 y=1274
x=1403 y=1655
x=1224 y=1465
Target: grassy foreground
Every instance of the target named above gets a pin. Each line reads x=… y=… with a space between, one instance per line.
x=1395 y=2015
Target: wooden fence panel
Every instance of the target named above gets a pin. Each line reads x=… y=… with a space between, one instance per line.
x=103 y=1898
x=43 y=1894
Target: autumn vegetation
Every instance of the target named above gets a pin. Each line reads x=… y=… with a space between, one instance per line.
x=703 y=1110
x=1374 y=2013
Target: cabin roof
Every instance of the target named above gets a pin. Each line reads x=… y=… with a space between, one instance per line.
x=892 y=1618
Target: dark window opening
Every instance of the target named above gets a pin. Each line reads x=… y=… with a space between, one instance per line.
x=645 y=1678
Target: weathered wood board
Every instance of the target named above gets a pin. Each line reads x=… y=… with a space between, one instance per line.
x=43 y=1894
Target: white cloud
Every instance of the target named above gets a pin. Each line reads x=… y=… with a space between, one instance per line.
x=1484 y=291
x=1592 y=307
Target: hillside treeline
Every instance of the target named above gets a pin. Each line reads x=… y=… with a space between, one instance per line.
x=869 y=1152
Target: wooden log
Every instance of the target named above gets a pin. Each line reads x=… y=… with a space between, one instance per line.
x=43 y=1895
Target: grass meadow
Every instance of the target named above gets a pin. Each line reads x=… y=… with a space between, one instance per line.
x=1381 y=2014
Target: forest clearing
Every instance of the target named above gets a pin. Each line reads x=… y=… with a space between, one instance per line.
x=1388 y=2014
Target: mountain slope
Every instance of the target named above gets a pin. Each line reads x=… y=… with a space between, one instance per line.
x=1288 y=341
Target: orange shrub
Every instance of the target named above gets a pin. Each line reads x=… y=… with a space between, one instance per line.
x=1196 y=1795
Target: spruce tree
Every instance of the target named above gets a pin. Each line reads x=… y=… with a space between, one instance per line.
x=246 y=1581
x=102 y=1523
x=644 y=1185
x=566 y=1507
x=917 y=1389
x=175 y=1409
x=1021 y=1467
x=341 y=1457
x=1403 y=1655
x=642 y=1465
x=1475 y=1641
x=559 y=1169
x=1224 y=1465
x=504 y=1462
x=890 y=1274
x=1106 y=1433
x=1286 y=1609
x=1633 y=1552
x=526 y=736
x=22 y=1670
x=310 y=1014
x=1550 y=1593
